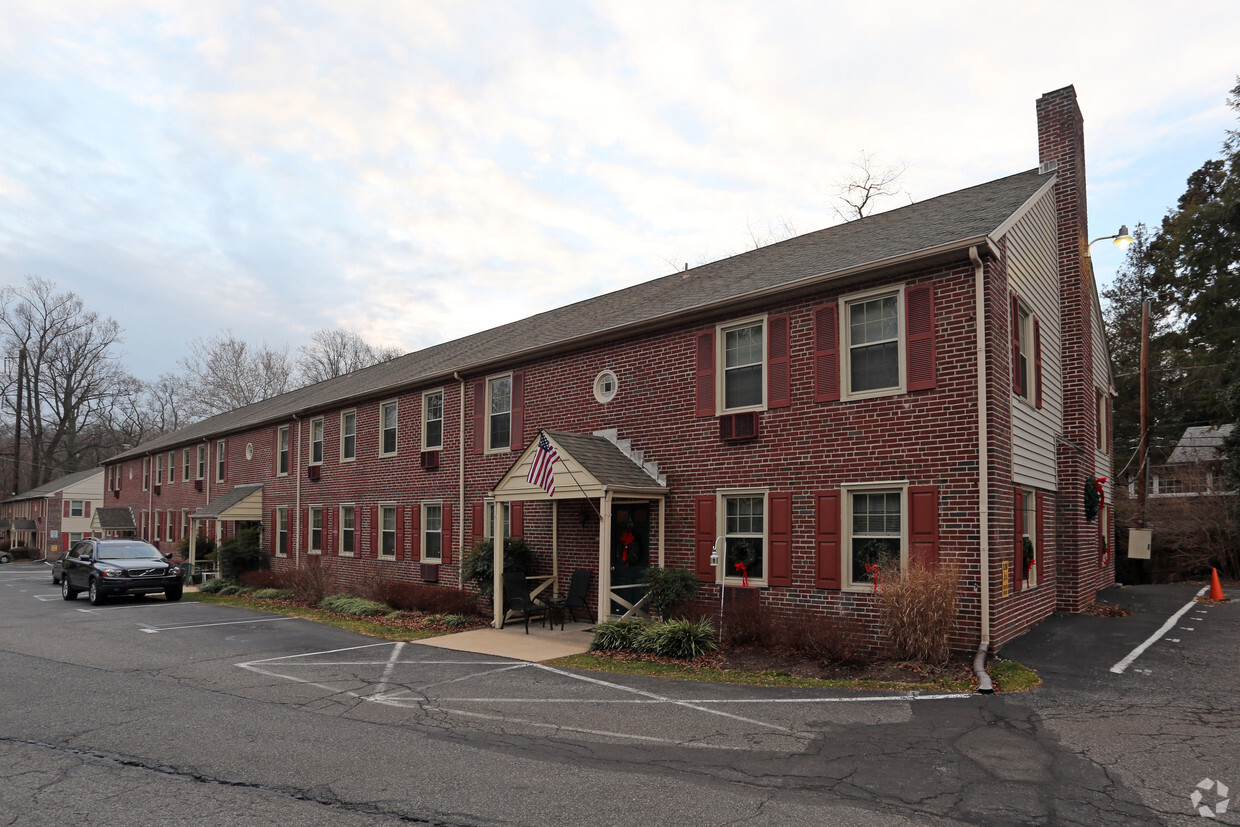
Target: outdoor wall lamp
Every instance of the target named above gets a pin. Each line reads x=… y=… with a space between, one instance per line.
x=1122 y=239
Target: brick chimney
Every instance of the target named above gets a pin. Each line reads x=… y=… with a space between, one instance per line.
x=1061 y=150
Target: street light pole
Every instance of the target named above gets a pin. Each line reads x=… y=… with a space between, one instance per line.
x=17 y=431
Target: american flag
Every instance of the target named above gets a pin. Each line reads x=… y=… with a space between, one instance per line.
x=542 y=471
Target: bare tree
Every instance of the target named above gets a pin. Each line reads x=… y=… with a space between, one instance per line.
x=867 y=183
x=224 y=373
x=73 y=375
x=332 y=353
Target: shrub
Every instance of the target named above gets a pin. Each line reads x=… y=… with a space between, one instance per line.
x=670 y=590
x=262 y=579
x=479 y=564
x=831 y=638
x=203 y=549
x=347 y=604
x=745 y=625
x=415 y=597
x=677 y=638
x=311 y=582
x=241 y=553
x=214 y=585
x=616 y=634
x=273 y=594
x=917 y=609
x=450 y=620
x=229 y=588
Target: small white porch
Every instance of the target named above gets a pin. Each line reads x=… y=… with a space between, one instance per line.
x=592 y=472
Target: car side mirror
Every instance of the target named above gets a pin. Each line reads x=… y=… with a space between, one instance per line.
x=86 y=558
x=167 y=555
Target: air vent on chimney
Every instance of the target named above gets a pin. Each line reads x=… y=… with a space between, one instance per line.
x=1048 y=166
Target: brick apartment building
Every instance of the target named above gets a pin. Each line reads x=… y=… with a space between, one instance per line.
x=49 y=516
x=930 y=384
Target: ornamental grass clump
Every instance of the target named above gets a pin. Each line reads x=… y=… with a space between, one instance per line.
x=616 y=634
x=215 y=584
x=918 y=608
x=684 y=639
x=347 y=604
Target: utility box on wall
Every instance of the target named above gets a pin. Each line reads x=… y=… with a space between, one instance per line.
x=1139 y=542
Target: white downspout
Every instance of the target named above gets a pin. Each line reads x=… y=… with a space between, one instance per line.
x=983 y=467
x=460 y=430
x=299 y=533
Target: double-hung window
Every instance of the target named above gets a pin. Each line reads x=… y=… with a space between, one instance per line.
x=146 y=473
x=76 y=508
x=871 y=353
x=282 y=450
x=221 y=458
x=348 y=516
x=1027 y=559
x=185 y=467
x=744 y=532
x=282 y=533
x=201 y=471
x=316 y=441
x=432 y=420
x=499 y=413
x=387 y=531
x=316 y=529
x=170 y=523
x=488 y=519
x=172 y=467
x=875 y=523
x=348 y=436
x=159 y=470
x=742 y=368
x=387 y=428
x=432 y=532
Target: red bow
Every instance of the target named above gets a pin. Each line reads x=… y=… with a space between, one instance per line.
x=872 y=570
x=744 y=574
x=626 y=538
x=1102 y=495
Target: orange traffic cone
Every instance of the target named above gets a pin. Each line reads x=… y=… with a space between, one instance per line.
x=1216 y=588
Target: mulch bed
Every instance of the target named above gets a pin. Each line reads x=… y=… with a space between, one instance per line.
x=1104 y=609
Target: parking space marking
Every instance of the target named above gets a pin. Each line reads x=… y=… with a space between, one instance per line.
x=1152 y=639
x=148 y=628
x=116 y=607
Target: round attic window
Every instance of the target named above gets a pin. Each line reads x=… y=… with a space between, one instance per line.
x=249 y=450
x=605 y=385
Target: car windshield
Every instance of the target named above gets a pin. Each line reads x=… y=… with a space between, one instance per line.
x=132 y=551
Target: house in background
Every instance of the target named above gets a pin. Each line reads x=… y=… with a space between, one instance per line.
x=928 y=386
x=55 y=514
x=1194 y=466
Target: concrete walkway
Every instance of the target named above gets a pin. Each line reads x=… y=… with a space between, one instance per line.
x=512 y=641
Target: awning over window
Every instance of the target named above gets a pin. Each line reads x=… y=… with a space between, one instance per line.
x=112 y=519
x=244 y=502
x=589 y=466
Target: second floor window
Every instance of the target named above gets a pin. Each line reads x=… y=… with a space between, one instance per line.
x=387 y=424
x=499 y=413
x=221 y=454
x=202 y=462
x=282 y=451
x=432 y=421
x=316 y=441
x=348 y=436
x=873 y=334
x=742 y=367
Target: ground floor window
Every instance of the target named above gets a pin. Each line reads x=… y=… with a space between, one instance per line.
x=316 y=530
x=488 y=519
x=282 y=532
x=432 y=532
x=387 y=531
x=348 y=516
x=744 y=532
x=1027 y=523
x=875 y=526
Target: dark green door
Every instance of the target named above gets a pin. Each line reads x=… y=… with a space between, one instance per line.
x=630 y=552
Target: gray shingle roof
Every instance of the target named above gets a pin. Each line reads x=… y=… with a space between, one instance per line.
x=59 y=484
x=605 y=462
x=115 y=519
x=952 y=219
x=226 y=501
x=1200 y=443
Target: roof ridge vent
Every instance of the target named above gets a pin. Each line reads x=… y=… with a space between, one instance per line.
x=1047 y=167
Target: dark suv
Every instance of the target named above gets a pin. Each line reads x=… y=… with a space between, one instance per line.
x=124 y=566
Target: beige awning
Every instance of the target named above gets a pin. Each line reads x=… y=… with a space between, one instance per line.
x=243 y=503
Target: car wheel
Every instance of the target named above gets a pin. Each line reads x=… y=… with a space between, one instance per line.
x=4 y=558
x=66 y=589
x=173 y=593
x=95 y=595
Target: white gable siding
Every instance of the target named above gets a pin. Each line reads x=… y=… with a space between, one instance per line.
x=1033 y=274
x=1102 y=381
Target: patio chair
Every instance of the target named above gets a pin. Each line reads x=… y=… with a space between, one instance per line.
x=517 y=599
x=578 y=591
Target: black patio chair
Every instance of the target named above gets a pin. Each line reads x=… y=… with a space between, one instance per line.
x=517 y=599
x=578 y=591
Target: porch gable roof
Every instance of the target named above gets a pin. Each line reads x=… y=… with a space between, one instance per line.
x=112 y=519
x=243 y=502
x=589 y=467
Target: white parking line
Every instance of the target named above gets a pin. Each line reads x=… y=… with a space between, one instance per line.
x=1152 y=639
x=154 y=629
x=134 y=607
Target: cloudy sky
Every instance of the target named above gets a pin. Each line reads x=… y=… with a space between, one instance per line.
x=417 y=171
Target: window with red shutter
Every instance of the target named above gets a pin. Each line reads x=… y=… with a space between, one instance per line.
x=923 y=525
x=705 y=388
x=704 y=536
x=778 y=362
x=919 y=335
x=827 y=540
x=780 y=535
x=447 y=533
x=516 y=441
x=826 y=353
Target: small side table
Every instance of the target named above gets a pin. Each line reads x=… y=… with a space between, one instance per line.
x=556 y=603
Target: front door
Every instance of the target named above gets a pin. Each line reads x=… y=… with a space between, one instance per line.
x=630 y=552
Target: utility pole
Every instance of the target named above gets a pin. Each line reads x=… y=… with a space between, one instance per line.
x=17 y=431
x=1143 y=471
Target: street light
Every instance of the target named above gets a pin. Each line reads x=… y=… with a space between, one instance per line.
x=1122 y=239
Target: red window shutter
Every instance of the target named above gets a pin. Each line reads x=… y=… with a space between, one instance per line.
x=446 y=543
x=705 y=394
x=923 y=525
x=1098 y=417
x=274 y=533
x=1106 y=446
x=516 y=518
x=480 y=416
x=476 y=522
x=305 y=530
x=1037 y=363
x=704 y=536
x=780 y=556
x=400 y=531
x=827 y=540
x=1044 y=570
x=518 y=410
x=329 y=530
x=1015 y=328
x=778 y=362
x=86 y=505
x=376 y=532
x=826 y=353
x=66 y=509
x=1018 y=532
x=919 y=331
x=415 y=533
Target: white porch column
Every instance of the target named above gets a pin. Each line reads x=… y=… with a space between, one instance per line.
x=497 y=563
x=662 y=520
x=604 y=558
x=555 y=547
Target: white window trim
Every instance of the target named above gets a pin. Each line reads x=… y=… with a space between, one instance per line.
x=721 y=356
x=282 y=511
x=201 y=461
x=846 y=538
x=286 y=433
x=488 y=518
x=172 y=467
x=221 y=455
x=1025 y=337
x=322 y=440
x=395 y=531
x=159 y=469
x=394 y=403
x=721 y=530
x=487 y=409
x=310 y=510
x=184 y=523
x=146 y=473
x=168 y=530
x=425 y=418
x=185 y=465
x=340 y=552
x=422 y=528
x=343 y=414
x=846 y=392
x=1029 y=513
x=600 y=394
